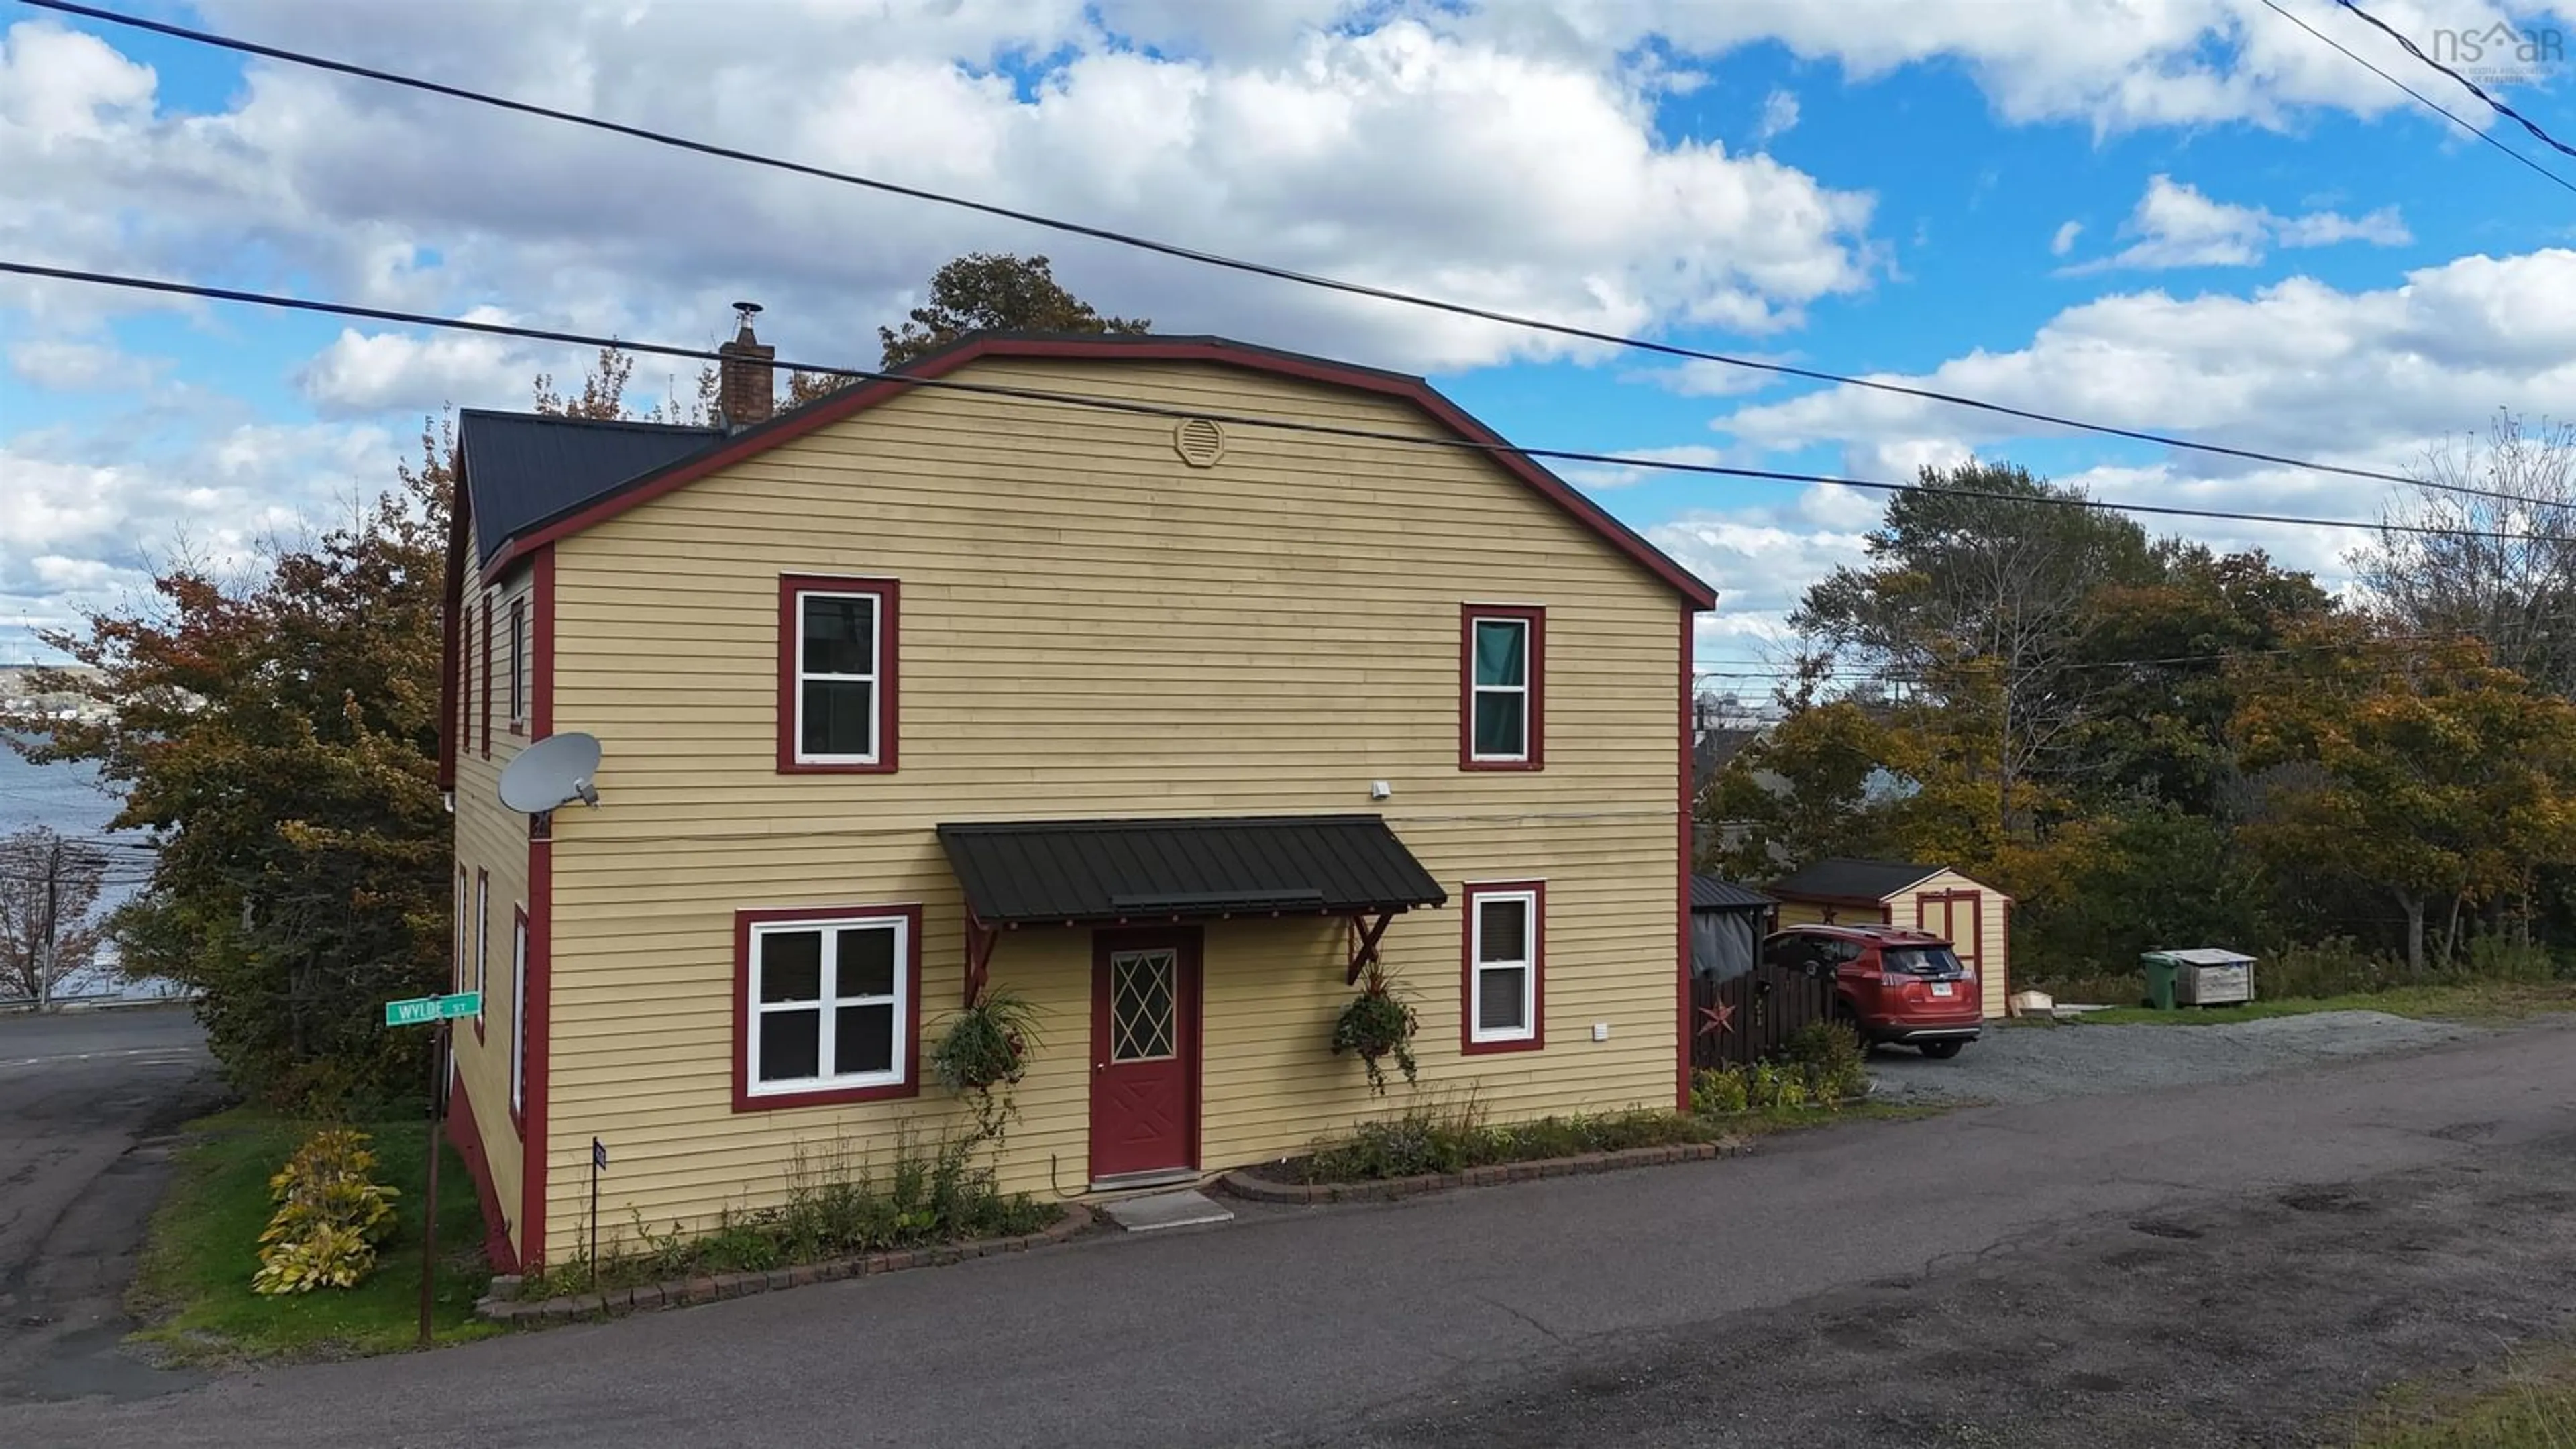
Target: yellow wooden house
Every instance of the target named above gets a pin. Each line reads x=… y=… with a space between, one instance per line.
x=1169 y=707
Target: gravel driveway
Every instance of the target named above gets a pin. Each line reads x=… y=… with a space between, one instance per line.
x=2037 y=1063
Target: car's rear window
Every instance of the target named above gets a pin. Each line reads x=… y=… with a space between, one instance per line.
x=1920 y=960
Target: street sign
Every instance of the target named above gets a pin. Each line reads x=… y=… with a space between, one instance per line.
x=422 y=1010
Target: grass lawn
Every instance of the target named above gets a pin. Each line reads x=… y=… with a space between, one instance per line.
x=193 y=1287
x=2473 y=1001
x=2528 y=1404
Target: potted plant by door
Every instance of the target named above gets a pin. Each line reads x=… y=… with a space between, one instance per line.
x=1377 y=1024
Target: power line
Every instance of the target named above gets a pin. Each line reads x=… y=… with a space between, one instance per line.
x=1143 y=409
x=2499 y=107
x=1216 y=259
x=2552 y=177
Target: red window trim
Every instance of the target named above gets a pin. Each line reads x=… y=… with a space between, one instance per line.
x=1537 y=891
x=487 y=679
x=519 y=667
x=1534 y=615
x=464 y=903
x=517 y=1103
x=888 y=594
x=464 y=683
x=744 y=1100
x=482 y=908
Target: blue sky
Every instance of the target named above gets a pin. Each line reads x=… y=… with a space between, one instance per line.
x=2185 y=217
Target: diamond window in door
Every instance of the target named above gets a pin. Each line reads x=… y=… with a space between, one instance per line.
x=1143 y=1019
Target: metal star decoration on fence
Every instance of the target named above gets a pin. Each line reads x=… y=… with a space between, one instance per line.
x=1720 y=1017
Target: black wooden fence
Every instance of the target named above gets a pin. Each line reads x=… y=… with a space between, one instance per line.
x=1746 y=1018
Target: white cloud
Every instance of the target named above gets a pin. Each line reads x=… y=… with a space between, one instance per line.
x=361 y=374
x=1700 y=377
x=2369 y=379
x=2177 y=226
x=63 y=365
x=1779 y=115
x=1607 y=475
x=1533 y=183
x=2115 y=65
x=2064 y=242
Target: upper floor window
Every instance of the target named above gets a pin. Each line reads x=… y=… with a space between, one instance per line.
x=1502 y=687
x=836 y=674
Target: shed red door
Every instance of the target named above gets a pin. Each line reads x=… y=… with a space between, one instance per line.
x=1144 y=1052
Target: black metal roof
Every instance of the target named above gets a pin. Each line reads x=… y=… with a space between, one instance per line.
x=1853 y=880
x=523 y=469
x=1708 y=893
x=1096 y=871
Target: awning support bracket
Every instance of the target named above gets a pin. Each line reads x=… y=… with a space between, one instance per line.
x=1364 y=941
x=979 y=957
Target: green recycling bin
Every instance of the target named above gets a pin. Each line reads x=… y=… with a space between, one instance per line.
x=2161 y=970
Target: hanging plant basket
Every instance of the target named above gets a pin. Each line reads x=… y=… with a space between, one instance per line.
x=986 y=1045
x=1377 y=1024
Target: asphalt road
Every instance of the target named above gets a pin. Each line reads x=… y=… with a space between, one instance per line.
x=86 y=1101
x=2216 y=1264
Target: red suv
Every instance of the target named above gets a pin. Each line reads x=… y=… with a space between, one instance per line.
x=1906 y=988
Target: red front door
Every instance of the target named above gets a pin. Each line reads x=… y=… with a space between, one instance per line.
x=1144 y=1052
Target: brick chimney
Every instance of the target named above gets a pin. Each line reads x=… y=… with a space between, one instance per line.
x=745 y=382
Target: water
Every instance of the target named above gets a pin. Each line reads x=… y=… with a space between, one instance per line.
x=66 y=798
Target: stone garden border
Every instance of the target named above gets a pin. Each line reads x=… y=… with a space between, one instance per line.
x=1244 y=1184
x=503 y=1305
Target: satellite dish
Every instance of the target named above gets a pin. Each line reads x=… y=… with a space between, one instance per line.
x=554 y=771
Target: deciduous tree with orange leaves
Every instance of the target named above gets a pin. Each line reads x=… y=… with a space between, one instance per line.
x=2420 y=769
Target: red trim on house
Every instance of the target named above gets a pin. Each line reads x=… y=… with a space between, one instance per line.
x=486 y=712
x=464 y=905
x=1189 y=946
x=858 y=399
x=1681 y=885
x=519 y=667
x=466 y=1135
x=1535 y=742
x=451 y=629
x=537 y=1014
x=1537 y=1041
x=482 y=942
x=888 y=594
x=743 y=1098
x=519 y=1005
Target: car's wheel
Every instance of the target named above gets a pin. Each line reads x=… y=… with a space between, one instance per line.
x=1942 y=1051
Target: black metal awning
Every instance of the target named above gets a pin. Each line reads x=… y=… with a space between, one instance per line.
x=1107 y=872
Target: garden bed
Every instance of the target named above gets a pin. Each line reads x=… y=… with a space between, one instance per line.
x=1260 y=1185
x=505 y=1305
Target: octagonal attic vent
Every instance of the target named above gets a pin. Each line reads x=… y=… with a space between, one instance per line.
x=1199 y=441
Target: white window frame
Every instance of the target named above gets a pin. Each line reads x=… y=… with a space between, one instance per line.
x=828 y=1005
x=1478 y=966
x=482 y=936
x=1477 y=691
x=519 y=1012
x=874 y=678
